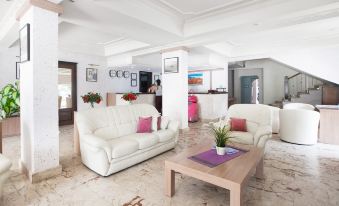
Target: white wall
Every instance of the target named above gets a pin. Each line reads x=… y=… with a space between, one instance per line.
x=219 y=80
x=273 y=73
x=83 y=86
x=175 y=90
x=322 y=63
x=7 y=66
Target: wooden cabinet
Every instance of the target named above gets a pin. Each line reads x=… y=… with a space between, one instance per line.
x=329 y=130
x=330 y=95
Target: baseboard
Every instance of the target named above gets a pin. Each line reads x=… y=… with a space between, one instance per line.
x=40 y=176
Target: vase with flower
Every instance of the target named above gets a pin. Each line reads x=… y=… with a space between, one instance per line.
x=129 y=97
x=92 y=98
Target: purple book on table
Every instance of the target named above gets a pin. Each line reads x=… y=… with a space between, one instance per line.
x=210 y=157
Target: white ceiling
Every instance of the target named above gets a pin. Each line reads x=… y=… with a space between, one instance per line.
x=233 y=28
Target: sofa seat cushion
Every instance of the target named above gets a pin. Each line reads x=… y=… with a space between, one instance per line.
x=242 y=137
x=144 y=140
x=165 y=135
x=122 y=147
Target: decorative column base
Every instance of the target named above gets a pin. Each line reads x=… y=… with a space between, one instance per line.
x=40 y=176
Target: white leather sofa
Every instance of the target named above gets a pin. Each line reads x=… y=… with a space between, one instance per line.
x=258 y=122
x=299 y=126
x=5 y=165
x=109 y=142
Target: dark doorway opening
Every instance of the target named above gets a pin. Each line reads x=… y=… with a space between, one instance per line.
x=67 y=88
x=145 y=81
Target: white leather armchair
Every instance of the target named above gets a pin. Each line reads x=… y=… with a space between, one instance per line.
x=258 y=122
x=5 y=165
x=299 y=126
x=299 y=106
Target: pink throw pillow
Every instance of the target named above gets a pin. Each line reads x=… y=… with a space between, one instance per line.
x=238 y=125
x=144 y=125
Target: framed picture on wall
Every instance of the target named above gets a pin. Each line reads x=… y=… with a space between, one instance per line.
x=171 y=65
x=134 y=76
x=24 y=41
x=91 y=75
x=17 y=70
x=134 y=83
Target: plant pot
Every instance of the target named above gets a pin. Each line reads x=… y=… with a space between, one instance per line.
x=10 y=126
x=221 y=150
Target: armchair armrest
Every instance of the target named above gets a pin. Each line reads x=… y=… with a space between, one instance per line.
x=97 y=143
x=261 y=132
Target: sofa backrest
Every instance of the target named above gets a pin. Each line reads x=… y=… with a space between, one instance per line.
x=255 y=115
x=113 y=122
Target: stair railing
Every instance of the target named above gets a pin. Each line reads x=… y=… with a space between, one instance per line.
x=298 y=84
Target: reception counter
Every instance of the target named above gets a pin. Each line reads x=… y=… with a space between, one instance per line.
x=212 y=105
x=114 y=99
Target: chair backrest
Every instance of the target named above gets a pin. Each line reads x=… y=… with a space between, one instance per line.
x=255 y=115
x=299 y=106
x=115 y=121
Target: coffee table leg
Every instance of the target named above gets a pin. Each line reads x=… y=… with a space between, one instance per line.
x=259 y=172
x=235 y=196
x=170 y=182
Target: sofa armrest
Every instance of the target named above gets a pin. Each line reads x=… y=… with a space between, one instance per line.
x=262 y=132
x=173 y=125
x=97 y=143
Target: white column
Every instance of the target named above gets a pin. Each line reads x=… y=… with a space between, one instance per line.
x=175 y=89
x=39 y=94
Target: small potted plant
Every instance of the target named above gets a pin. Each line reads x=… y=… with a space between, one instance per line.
x=130 y=97
x=221 y=137
x=92 y=98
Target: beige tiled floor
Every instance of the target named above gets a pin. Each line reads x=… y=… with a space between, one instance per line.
x=294 y=175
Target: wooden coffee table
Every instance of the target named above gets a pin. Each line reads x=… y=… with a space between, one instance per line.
x=232 y=175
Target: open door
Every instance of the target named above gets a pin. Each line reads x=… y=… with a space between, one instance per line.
x=67 y=86
x=246 y=88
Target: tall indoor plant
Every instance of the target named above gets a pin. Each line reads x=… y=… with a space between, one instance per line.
x=10 y=110
x=221 y=137
x=10 y=101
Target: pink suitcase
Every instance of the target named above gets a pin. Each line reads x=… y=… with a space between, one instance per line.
x=193 y=114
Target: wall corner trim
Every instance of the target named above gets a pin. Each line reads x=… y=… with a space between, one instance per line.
x=43 y=4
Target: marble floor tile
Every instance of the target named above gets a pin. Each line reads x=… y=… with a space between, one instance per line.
x=295 y=175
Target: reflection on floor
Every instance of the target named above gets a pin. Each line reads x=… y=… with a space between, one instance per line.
x=294 y=175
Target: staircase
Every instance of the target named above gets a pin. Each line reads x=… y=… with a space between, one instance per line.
x=301 y=88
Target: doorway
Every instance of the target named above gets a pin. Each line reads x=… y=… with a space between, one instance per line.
x=246 y=89
x=145 y=81
x=67 y=92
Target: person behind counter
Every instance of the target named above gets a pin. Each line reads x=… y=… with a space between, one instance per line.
x=157 y=89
